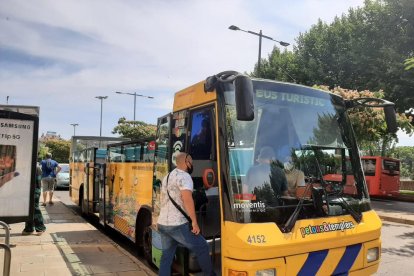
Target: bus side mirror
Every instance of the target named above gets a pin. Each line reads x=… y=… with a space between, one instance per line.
x=389 y=111
x=390 y=118
x=244 y=98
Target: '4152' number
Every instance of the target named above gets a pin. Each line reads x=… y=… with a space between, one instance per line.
x=256 y=239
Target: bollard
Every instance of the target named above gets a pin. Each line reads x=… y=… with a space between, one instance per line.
x=7 y=229
x=7 y=259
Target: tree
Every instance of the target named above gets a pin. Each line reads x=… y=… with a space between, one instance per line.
x=409 y=63
x=135 y=130
x=278 y=66
x=42 y=151
x=58 y=148
x=406 y=155
x=369 y=123
x=362 y=50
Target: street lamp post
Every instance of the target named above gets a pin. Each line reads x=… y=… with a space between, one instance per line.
x=135 y=98
x=260 y=35
x=101 y=98
x=74 y=127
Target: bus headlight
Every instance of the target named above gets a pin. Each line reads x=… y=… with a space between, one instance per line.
x=372 y=254
x=266 y=272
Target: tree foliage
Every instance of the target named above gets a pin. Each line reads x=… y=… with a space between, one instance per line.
x=369 y=123
x=135 y=130
x=364 y=49
x=409 y=63
x=57 y=147
x=406 y=155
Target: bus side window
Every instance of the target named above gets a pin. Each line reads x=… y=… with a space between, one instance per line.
x=369 y=166
x=201 y=140
x=130 y=154
x=148 y=149
x=137 y=153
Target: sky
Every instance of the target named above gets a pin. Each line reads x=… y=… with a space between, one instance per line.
x=60 y=55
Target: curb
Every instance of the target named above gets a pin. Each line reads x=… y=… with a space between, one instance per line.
x=406 y=198
x=398 y=220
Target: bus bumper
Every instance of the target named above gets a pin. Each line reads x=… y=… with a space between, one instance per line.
x=265 y=267
x=352 y=260
x=365 y=271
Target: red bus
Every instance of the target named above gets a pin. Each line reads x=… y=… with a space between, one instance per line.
x=382 y=175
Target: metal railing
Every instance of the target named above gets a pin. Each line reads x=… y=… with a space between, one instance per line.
x=7 y=251
x=7 y=230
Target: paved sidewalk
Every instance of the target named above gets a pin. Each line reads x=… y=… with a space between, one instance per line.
x=70 y=246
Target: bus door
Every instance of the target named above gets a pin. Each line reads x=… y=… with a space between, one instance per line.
x=95 y=180
x=162 y=160
x=99 y=184
x=92 y=183
x=101 y=193
x=201 y=145
x=162 y=163
x=88 y=193
x=112 y=171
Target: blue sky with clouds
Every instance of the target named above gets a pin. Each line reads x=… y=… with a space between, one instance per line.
x=59 y=55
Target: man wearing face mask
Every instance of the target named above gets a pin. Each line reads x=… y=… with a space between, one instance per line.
x=295 y=178
x=173 y=225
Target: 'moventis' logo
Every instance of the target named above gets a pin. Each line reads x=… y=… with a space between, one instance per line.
x=250 y=205
x=326 y=227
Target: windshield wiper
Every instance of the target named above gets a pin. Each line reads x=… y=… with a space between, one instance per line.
x=294 y=216
x=357 y=216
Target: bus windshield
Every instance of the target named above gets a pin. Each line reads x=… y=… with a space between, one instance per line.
x=298 y=145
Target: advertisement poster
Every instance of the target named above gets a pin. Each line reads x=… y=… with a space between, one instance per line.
x=17 y=160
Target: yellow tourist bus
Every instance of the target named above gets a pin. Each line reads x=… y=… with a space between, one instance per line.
x=254 y=227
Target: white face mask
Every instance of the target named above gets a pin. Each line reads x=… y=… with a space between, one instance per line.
x=288 y=166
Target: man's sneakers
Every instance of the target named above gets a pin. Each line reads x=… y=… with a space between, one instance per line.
x=26 y=233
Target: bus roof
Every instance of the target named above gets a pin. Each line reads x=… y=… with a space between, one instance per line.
x=192 y=96
x=93 y=141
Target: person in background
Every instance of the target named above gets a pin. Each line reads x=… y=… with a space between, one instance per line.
x=173 y=225
x=267 y=172
x=37 y=222
x=50 y=168
x=295 y=178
